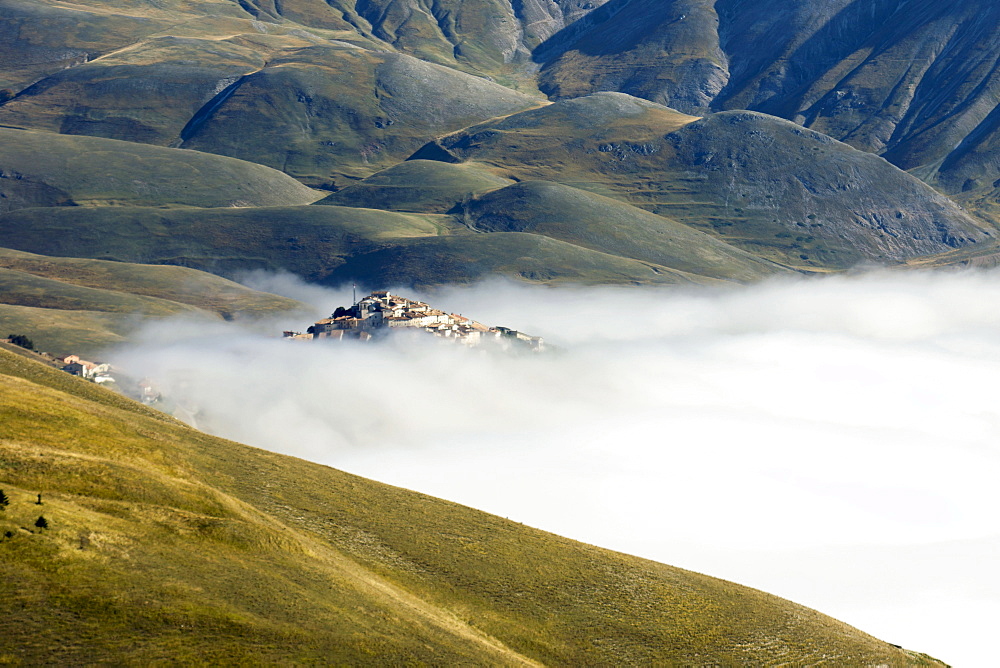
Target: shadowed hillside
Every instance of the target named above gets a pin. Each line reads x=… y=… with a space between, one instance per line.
x=307 y=241
x=164 y=542
x=326 y=244
x=174 y=284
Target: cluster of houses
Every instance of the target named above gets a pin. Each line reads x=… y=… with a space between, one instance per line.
x=382 y=311
x=99 y=372
x=95 y=371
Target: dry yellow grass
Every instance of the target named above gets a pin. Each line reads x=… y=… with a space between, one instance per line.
x=166 y=544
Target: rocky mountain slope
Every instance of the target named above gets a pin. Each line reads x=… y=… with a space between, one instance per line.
x=913 y=80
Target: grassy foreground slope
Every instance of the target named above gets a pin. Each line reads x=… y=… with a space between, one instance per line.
x=164 y=543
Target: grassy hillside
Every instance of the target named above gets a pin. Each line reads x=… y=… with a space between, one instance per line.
x=424 y=186
x=18 y=287
x=43 y=37
x=164 y=284
x=912 y=81
x=337 y=114
x=39 y=38
x=529 y=257
x=772 y=188
x=61 y=331
x=308 y=241
x=146 y=92
x=164 y=543
x=346 y=89
x=75 y=305
x=46 y=169
x=327 y=244
x=610 y=226
x=334 y=111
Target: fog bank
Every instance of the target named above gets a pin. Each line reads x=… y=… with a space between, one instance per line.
x=832 y=441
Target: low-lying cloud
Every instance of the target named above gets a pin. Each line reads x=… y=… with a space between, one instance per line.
x=832 y=441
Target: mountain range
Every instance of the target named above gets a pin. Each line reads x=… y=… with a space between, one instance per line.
x=628 y=141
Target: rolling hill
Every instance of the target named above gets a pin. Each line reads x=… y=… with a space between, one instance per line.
x=777 y=190
x=610 y=226
x=334 y=244
x=334 y=111
x=164 y=543
x=423 y=186
x=71 y=305
x=178 y=285
x=915 y=81
x=47 y=169
x=347 y=90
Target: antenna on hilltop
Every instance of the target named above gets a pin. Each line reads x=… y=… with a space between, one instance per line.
x=355 y=294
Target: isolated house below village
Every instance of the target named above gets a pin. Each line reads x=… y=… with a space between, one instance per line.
x=383 y=311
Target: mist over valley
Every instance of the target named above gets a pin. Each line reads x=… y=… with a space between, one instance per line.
x=830 y=440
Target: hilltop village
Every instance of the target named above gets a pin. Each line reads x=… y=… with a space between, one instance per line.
x=382 y=312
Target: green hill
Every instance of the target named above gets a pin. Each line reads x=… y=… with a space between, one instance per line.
x=915 y=82
x=46 y=169
x=24 y=289
x=177 y=285
x=326 y=244
x=425 y=186
x=332 y=109
x=145 y=93
x=610 y=226
x=63 y=331
x=766 y=185
x=530 y=257
x=336 y=112
x=309 y=240
x=70 y=305
x=164 y=543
